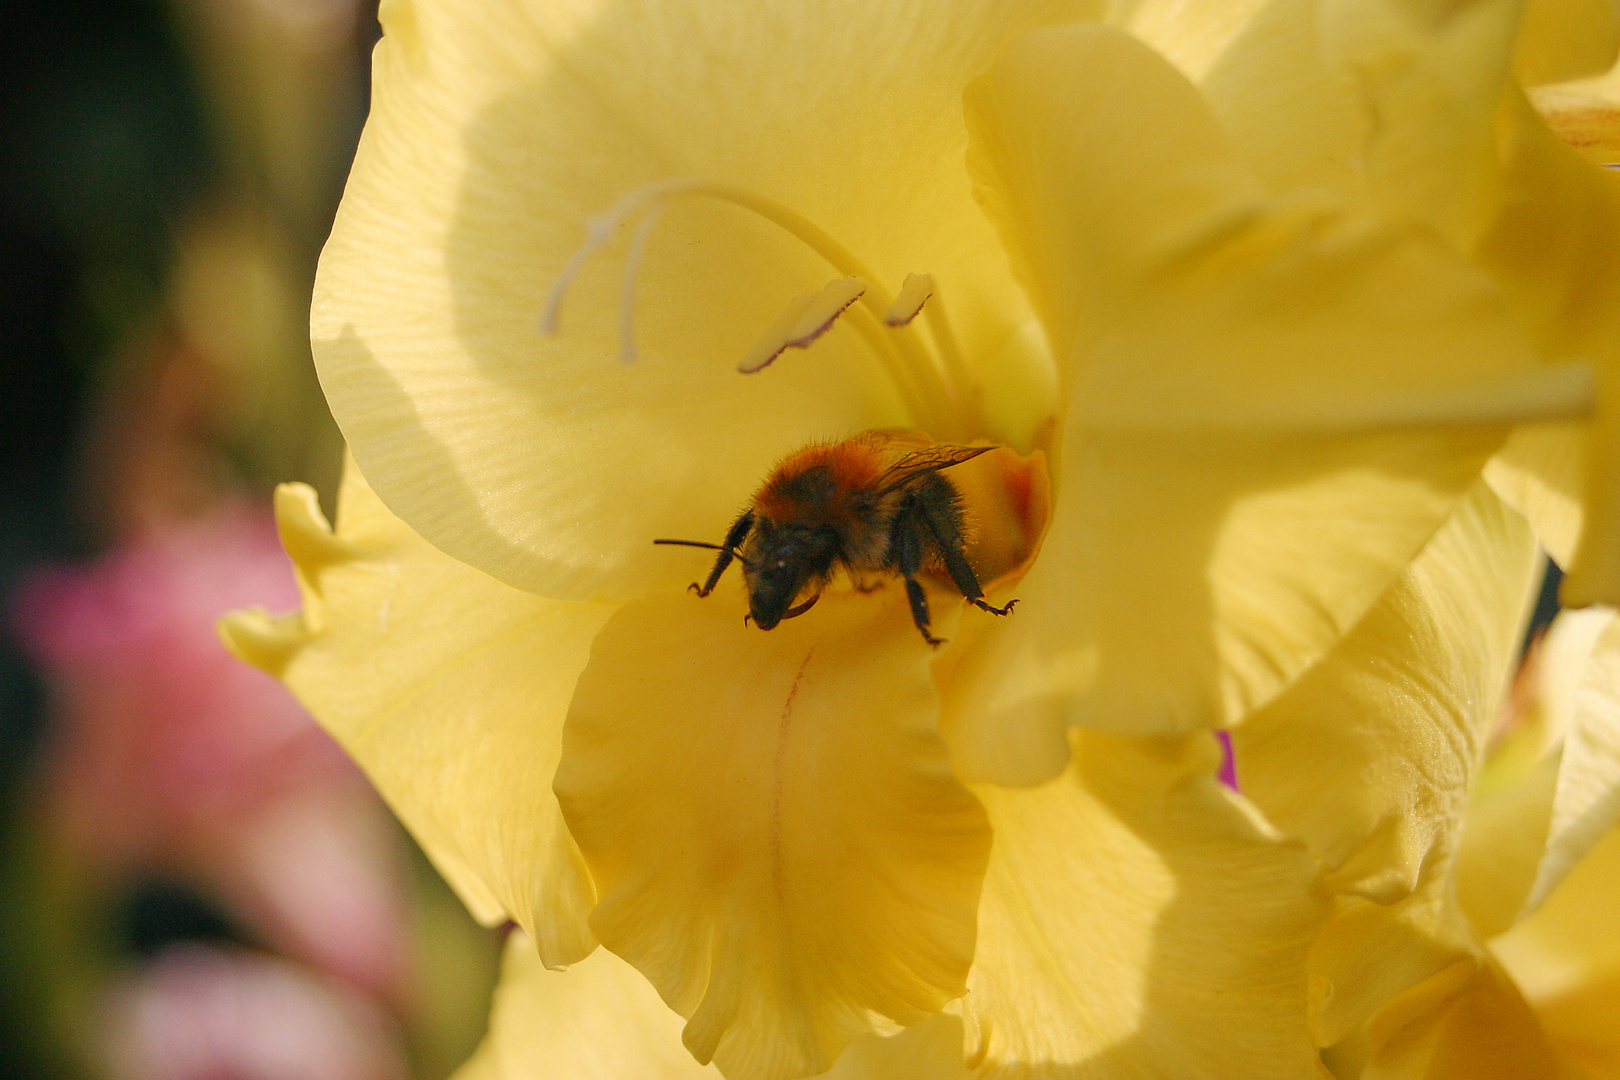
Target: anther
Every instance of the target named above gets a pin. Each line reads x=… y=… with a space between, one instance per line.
x=805 y=320
x=913 y=295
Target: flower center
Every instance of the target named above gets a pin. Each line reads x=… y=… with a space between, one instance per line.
x=928 y=374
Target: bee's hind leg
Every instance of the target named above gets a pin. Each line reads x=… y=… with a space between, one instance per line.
x=938 y=510
x=907 y=542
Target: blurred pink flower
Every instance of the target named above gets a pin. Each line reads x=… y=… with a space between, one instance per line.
x=199 y=1013
x=167 y=755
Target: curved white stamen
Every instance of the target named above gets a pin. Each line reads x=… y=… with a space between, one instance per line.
x=627 y=287
x=597 y=236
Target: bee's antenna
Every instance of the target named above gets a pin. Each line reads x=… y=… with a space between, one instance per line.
x=735 y=554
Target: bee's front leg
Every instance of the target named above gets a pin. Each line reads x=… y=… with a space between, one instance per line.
x=734 y=536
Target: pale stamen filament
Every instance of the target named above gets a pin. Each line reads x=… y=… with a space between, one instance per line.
x=926 y=398
x=965 y=390
x=931 y=394
x=627 y=288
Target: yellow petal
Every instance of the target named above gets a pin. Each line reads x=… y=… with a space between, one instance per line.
x=1503 y=843
x=1586 y=804
x=1369 y=756
x=600 y=1020
x=1468 y=1023
x=1136 y=922
x=776 y=836
x=1192 y=318
x=1555 y=247
x=1192 y=34
x=1551 y=244
x=1541 y=473
x=1561 y=40
x=1585 y=114
x=1434 y=78
x=1311 y=136
x=1186 y=580
x=1175 y=297
x=1370 y=956
x=498 y=133
x=449 y=688
x=1526 y=832
x=1093 y=156
x=1566 y=959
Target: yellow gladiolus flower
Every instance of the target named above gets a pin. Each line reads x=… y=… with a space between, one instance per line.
x=1138 y=261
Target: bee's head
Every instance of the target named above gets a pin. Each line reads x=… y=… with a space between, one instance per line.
x=782 y=560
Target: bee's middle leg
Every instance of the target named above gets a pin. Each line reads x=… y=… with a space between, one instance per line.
x=939 y=517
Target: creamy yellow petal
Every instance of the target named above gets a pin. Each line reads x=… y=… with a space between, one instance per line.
x=1136 y=922
x=1555 y=247
x=449 y=688
x=600 y=1020
x=1585 y=114
x=499 y=132
x=1369 y=756
x=1566 y=958
x=1503 y=843
x=775 y=834
x=1434 y=77
x=1094 y=157
x=931 y=1050
x=1314 y=134
x=1467 y=1023
x=1186 y=580
x=1187 y=575
x=1541 y=473
x=1191 y=34
x=1371 y=955
x=1586 y=804
x=1525 y=833
x=1175 y=297
x=1551 y=244
x=1561 y=40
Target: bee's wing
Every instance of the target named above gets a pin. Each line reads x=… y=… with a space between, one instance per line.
x=917 y=464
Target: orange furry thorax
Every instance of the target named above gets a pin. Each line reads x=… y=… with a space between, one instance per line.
x=824 y=483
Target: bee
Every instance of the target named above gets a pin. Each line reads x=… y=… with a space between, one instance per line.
x=872 y=504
